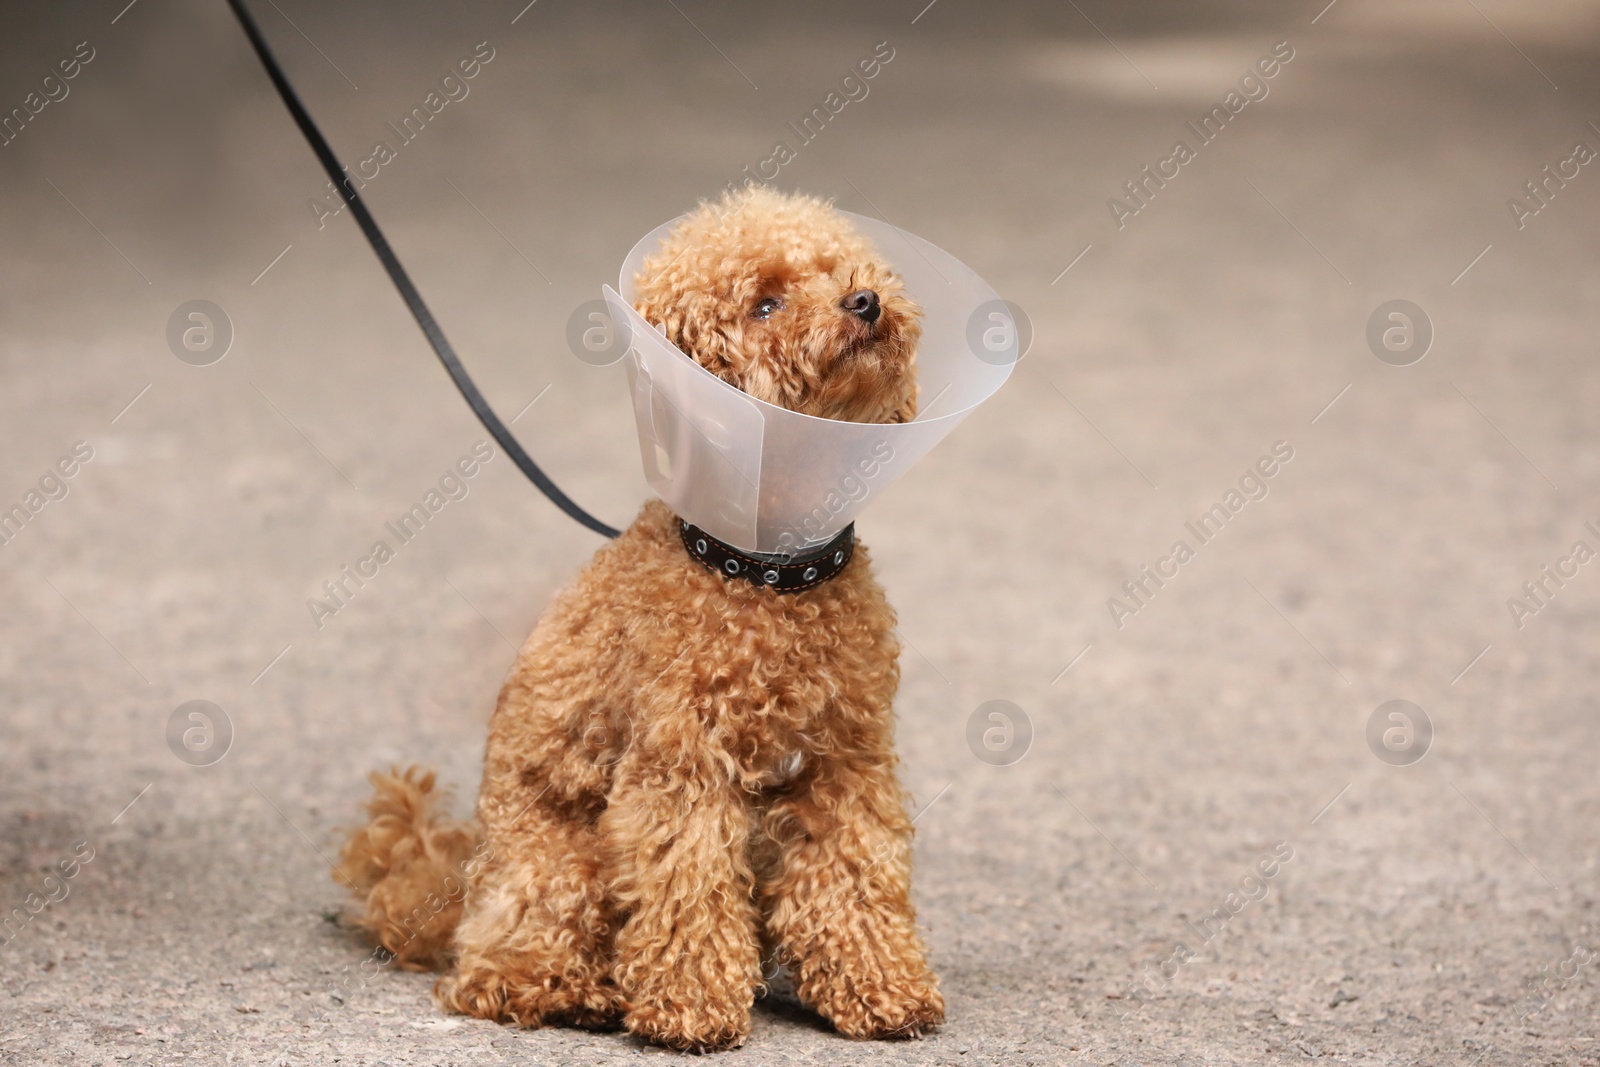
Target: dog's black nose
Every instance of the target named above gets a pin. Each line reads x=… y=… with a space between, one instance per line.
x=862 y=303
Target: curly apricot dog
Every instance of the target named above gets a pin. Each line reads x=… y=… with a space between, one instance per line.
x=688 y=773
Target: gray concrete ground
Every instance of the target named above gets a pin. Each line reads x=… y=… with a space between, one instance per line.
x=1434 y=911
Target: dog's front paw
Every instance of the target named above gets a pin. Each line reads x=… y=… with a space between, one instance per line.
x=527 y=999
x=886 y=1007
x=690 y=1028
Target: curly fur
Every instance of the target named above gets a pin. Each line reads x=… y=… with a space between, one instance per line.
x=810 y=357
x=686 y=775
x=405 y=854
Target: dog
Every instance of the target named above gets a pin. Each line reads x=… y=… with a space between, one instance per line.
x=690 y=779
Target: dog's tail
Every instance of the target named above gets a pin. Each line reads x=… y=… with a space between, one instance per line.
x=408 y=868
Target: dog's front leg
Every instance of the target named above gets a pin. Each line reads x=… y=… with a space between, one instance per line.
x=687 y=957
x=839 y=906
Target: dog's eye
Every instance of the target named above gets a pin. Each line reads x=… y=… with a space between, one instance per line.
x=766 y=306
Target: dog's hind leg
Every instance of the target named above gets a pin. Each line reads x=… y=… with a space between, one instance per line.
x=533 y=947
x=534 y=943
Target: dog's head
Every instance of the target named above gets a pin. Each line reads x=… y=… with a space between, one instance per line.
x=779 y=296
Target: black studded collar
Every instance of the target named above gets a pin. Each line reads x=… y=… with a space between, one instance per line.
x=809 y=569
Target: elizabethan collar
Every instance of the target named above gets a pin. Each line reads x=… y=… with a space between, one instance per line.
x=772 y=481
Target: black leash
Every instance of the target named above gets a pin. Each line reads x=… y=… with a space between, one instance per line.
x=402 y=282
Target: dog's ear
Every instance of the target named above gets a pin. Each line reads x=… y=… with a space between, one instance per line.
x=684 y=324
x=907 y=411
